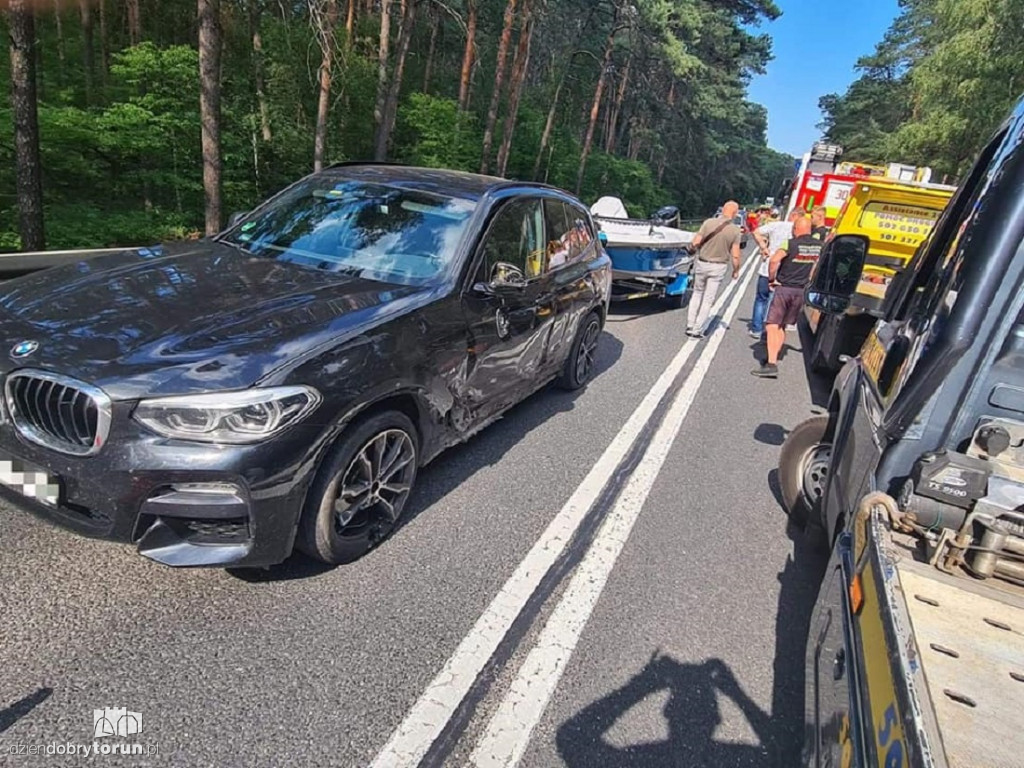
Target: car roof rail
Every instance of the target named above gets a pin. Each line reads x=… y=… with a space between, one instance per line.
x=349 y=163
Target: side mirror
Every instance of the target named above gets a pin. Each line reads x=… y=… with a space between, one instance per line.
x=236 y=217
x=837 y=274
x=506 y=279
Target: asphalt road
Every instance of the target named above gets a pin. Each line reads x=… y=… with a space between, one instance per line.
x=677 y=637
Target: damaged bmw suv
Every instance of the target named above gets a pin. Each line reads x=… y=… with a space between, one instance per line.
x=219 y=402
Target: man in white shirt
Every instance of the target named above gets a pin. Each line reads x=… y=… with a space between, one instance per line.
x=769 y=238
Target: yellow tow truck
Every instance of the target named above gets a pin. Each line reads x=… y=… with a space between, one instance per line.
x=895 y=216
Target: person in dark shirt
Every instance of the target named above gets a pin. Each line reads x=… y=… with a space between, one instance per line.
x=818 y=228
x=789 y=272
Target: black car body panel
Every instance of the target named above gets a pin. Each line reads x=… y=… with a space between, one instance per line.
x=208 y=317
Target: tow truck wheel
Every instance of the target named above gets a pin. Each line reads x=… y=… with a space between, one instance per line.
x=803 y=470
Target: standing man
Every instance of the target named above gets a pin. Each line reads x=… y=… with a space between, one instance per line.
x=789 y=271
x=818 y=228
x=717 y=242
x=770 y=238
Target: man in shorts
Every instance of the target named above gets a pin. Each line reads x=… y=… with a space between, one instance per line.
x=769 y=238
x=788 y=273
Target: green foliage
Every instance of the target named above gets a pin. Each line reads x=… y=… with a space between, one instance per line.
x=936 y=87
x=124 y=166
x=432 y=133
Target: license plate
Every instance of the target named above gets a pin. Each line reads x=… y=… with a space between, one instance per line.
x=30 y=481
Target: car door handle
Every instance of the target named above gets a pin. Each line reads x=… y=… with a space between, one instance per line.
x=839 y=665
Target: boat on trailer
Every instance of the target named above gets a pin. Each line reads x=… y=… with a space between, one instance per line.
x=649 y=257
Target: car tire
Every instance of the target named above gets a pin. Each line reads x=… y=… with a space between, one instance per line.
x=579 y=365
x=803 y=470
x=360 y=489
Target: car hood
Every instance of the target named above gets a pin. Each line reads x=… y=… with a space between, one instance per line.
x=190 y=317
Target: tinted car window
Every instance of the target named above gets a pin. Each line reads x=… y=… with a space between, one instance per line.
x=582 y=232
x=513 y=247
x=370 y=230
x=559 y=233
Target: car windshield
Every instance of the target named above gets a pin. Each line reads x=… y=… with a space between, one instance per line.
x=374 y=231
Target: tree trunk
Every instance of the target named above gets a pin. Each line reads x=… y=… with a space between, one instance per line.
x=382 y=70
x=62 y=68
x=499 y=81
x=104 y=43
x=134 y=22
x=520 y=64
x=435 y=26
x=209 y=108
x=350 y=22
x=255 y=11
x=325 y=33
x=87 y=47
x=550 y=124
x=395 y=89
x=596 y=105
x=620 y=97
x=21 y=28
x=467 y=57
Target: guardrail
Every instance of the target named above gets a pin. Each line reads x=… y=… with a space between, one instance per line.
x=24 y=262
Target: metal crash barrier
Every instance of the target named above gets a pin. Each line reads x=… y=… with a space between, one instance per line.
x=14 y=265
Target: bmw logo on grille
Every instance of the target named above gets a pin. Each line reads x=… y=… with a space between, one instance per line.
x=24 y=348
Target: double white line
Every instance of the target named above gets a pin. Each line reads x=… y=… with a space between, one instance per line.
x=508 y=732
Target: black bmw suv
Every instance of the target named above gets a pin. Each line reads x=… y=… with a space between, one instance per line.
x=219 y=402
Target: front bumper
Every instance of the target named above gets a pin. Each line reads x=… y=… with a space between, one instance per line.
x=181 y=504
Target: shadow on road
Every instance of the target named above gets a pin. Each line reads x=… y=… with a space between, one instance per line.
x=19 y=709
x=459 y=463
x=693 y=712
x=627 y=311
x=818 y=384
x=771 y=434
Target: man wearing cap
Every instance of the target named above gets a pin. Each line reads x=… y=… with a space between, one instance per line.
x=789 y=272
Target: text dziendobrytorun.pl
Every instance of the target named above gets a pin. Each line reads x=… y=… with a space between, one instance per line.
x=55 y=748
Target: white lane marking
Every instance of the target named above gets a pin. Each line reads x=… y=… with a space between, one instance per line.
x=423 y=724
x=507 y=736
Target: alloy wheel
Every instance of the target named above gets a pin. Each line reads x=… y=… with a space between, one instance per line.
x=375 y=486
x=588 y=350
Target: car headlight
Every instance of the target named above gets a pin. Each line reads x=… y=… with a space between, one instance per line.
x=228 y=417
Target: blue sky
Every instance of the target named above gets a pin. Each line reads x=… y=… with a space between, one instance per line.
x=816 y=43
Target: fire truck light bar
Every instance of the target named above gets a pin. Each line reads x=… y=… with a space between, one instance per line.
x=824 y=151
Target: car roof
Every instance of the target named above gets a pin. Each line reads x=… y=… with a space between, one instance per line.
x=441 y=181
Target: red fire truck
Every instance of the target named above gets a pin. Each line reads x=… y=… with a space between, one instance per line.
x=822 y=179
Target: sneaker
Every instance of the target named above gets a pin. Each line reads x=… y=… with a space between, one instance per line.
x=791 y=327
x=695 y=334
x=766 y=371
x=754 y=334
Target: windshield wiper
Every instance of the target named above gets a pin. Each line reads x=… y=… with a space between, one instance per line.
x=237 y=246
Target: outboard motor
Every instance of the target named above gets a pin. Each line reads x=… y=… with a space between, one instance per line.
x=666 y=216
